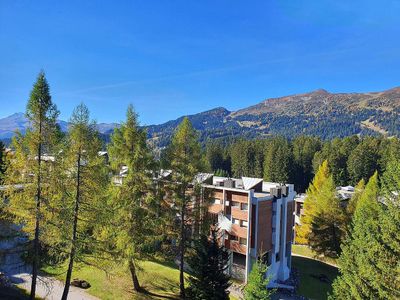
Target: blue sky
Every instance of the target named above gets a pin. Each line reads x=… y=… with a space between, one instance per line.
x=172 y=58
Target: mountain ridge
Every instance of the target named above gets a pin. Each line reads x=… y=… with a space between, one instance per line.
x=319 y=112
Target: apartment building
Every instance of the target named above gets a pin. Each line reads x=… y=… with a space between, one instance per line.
x=255 y=218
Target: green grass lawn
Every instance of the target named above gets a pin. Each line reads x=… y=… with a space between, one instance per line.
x=310 y=286
x=160 y=279
x=306 y=251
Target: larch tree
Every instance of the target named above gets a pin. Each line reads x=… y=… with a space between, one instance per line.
x=208 y=262
x=186 y=161
x=328 y=221
x=310 y=203
x=85 y=181
x=358 y=264
x=135 y=214
x=31 y=166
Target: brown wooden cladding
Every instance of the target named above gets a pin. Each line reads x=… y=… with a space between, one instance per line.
x=264 y=234
x=237 y=196
x=215 y=208
x=239 y=231
x=290 y=221
x=237 y=213
x=253 y=226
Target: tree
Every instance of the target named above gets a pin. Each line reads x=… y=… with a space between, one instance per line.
x=256 y=287
x=2 y=161
x=185 y=158
x=366 y=270
x=310 y=203
x=328 y=221
x=363 y=160
x=31 y=167
x=304 y=149
x=85 y=184
x=278 y=161
x=132 y=225
x=208 y=263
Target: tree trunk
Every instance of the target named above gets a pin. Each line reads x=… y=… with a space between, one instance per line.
x=35 y=262
x=135 y=280
x=182 y=253
x=74 y=230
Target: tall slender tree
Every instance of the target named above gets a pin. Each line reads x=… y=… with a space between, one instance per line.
x=310 y=204
x=135 y=213
x=359 y=263
x=185 y=158
x=31 y=166
x=85 y=182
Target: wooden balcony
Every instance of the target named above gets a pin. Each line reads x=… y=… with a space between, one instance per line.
x=235 y=246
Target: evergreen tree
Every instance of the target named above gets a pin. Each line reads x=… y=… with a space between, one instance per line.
x=31 y=166
x=369 y=265
x=132 y=226
x=209 y=263
x=363 y=160
x=304 y=149
x=85 y=185
x=256 y=288
x=185 y=158
x=278 y=161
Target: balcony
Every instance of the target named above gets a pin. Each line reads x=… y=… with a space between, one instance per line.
x=235 y=246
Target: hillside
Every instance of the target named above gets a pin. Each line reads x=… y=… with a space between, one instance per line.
x=318 y=113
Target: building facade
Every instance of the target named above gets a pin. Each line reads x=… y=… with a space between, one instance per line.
x=256 y=219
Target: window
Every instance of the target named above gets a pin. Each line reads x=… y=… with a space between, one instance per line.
x=244 y=224
x=235 y=204
x=217 y=201
x=233 y=238
x=244 y=206
x=235 y=221
x=242 y=241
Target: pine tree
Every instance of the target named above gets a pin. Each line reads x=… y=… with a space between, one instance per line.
x=369 y=265
x=256 y=288
x=209 y=262
x=185 y=158
x=132 y=231
x=31 y=166
x=85 y=181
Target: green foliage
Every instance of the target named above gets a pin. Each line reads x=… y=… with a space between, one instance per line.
x=208 y=263
x=328 y=221
x=2 y=161
x=186 y=161
x=278 y=161
x=369 y=265
x=132 y=228
x=304 y=149
x=363 y=160
x=257 y=282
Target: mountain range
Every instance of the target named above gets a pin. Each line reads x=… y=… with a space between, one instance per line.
x=319 y=113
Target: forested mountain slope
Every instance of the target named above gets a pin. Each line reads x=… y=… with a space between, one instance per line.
x=318 y=113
